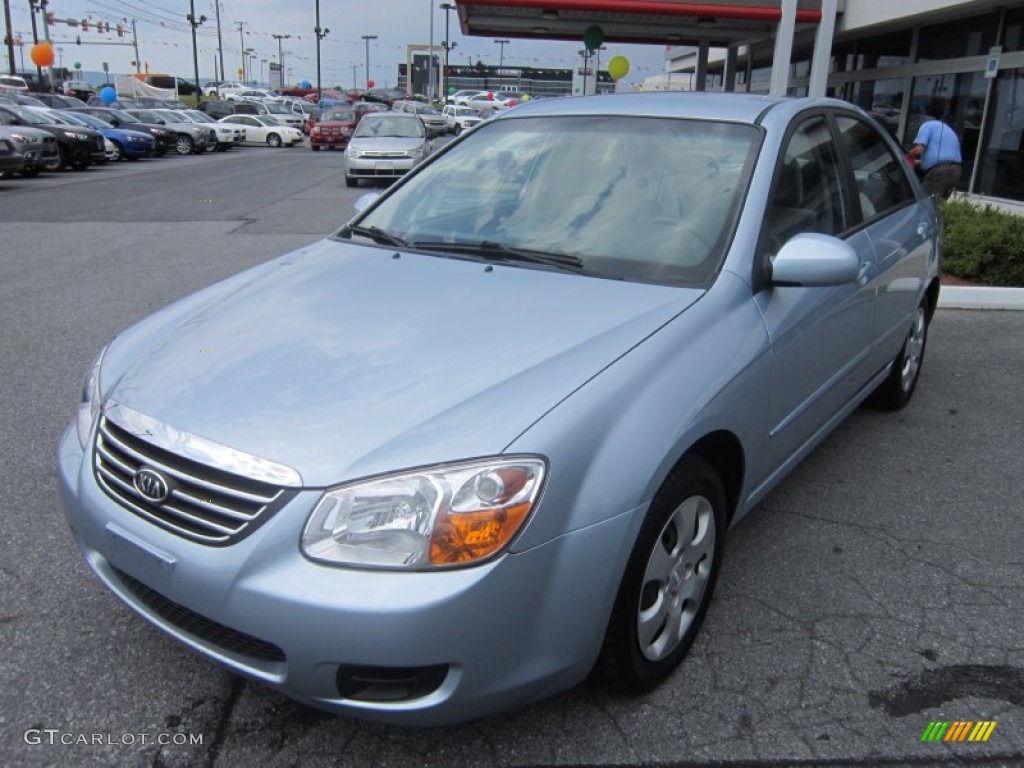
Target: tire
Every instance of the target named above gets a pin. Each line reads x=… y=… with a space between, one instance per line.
x=120 y=151
x=350 y=182
x=898 y=387
x=669 y=579
x=160 y=151
x=80 y=160
x=458 y=129
x=184 y=145
x=273 y=140
x=57 y=163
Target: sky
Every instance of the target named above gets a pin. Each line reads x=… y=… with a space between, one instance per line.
x=165 y=43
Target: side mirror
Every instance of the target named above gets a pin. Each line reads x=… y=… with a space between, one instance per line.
x=365 y=201
x=812 y=259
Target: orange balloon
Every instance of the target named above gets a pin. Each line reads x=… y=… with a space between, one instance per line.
x=42 y=54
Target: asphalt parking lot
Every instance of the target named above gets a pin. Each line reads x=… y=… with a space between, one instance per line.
x=879 y=589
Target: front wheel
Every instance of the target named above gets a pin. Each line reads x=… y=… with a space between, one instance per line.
x=274 y=140
x=118 y=151
x=184 y=145
x=669 y=578
x=898 y=387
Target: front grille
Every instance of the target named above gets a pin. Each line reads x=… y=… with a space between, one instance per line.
x=383 y=153
x=199 y=626
x=204 y=504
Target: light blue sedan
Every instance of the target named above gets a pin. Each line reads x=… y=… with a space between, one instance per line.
x=494 y=431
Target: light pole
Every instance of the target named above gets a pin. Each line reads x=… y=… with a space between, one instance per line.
x=368 y=38
x=220 y=42
x=280 y=53
x=447 y=45
x=263 y=80
x=248 y=77
x=501 y=58
x=194 y=22
x=320 y=35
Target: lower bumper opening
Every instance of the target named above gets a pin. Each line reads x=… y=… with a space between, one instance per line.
x=389 y=684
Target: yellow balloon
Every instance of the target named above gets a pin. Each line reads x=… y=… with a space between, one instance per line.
x=618 y=67
x=526 y=97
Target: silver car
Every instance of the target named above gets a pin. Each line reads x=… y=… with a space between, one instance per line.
x=190 y=137
x=494 y=430
x=385 y=146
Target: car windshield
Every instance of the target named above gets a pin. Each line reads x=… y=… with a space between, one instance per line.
x=61 y=118
x=424 y=109
x=124 y=117
x=170 y=115
x=391 y=126
x=148 y=116
x=28 y=116
x=278 y=109
x=198 y=117
x=339 y=115
x=636 y=198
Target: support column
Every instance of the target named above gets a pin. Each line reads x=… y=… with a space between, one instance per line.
x=729 y=79
x=783 y=49
x=701 y=83
x=822 y=49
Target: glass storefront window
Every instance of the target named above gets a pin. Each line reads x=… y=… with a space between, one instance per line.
x=961 y=100
x=1013 y=35
x=885 y=51
x=955 y=39
x=882 y=98
x=1002 y=170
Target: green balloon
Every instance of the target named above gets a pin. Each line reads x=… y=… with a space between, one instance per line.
x=593 y=36
x=451 y=90
x=78 y=65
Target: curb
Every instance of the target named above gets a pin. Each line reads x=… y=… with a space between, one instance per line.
x=973 y=297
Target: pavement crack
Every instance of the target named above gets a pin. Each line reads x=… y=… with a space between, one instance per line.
x=220 y=732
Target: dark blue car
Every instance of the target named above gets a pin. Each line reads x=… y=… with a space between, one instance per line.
x=131 y=145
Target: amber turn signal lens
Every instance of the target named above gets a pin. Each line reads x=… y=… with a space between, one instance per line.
x=468 y=536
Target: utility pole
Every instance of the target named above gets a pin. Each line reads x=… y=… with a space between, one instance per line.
x=501 y=59
x=320 y=35
x=35 y=36
x=10 y=37
x=135 y=43
x=280 y=53
x=447 y=45
x=368 y=38
x=194 y=22
x=241 y=39
x=430 y=58
x=46 y=36
x=220 y=42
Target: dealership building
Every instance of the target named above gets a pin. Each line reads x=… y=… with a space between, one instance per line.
x=894 y=58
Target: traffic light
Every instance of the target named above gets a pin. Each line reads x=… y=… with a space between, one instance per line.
x=85 y=25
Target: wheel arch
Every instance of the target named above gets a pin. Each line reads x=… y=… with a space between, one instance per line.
x=932 y=294
x=724 y=451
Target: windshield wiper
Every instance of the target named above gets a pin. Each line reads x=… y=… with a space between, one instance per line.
x=494 y=251
x=376 y=234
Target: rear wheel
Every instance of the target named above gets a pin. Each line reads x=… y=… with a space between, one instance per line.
x=184 y=145
x=669 y=579
x=274 y=140
x=458 y=129
x=897 y=389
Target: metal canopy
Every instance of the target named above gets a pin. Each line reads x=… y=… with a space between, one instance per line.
x=719 y=23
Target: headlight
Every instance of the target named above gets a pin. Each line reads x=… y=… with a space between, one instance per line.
x=25 y=139
x=78 y=136
x=90 y=405
x=449 y=515
x=354 y=153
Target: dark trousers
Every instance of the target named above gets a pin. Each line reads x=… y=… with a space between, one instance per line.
x=940 y=180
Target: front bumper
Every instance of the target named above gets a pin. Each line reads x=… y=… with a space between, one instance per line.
x=378 y=168
x=481 y=639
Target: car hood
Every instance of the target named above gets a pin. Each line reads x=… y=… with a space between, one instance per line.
x=386 y=144
x=344 y=360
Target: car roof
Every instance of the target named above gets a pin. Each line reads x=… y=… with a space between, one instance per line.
x=737 y=107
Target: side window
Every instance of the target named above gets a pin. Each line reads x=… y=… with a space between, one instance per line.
x=808 y=192
x=881 y=176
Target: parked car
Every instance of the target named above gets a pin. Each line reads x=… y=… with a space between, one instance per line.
x=189 y=137
x=253 y=94
x=221 y=90
x=166 y=138
x=13 y=84
x=77 y=147
x=458 y=118
x=79 y=89
x=11 y=159
x=384 y=95
x=59 y=100
x=433 y=121
x=460 y=97
x=37 y=147
x=385 y=146
x=333 y=129
x=494 y=431
x=492 y=100
x=228 y=135
x=128 y=144
x=265 y=130
x=283 y=114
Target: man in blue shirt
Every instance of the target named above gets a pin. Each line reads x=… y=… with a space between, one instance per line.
x=939 y=149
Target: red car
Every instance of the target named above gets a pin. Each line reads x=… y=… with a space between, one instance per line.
x=341 y=125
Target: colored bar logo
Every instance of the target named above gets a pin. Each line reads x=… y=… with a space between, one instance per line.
x=958 y=730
